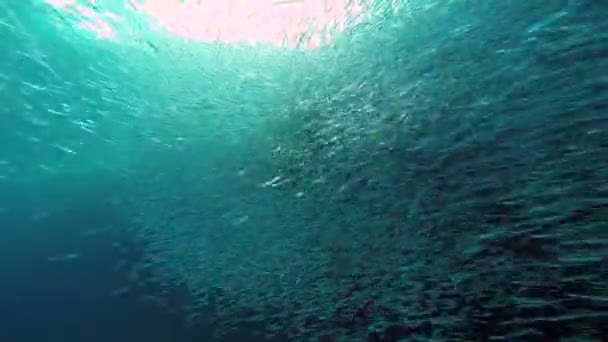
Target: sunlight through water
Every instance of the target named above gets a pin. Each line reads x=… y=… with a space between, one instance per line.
x=294 y=23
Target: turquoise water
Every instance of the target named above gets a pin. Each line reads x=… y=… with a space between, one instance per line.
x=438 y=173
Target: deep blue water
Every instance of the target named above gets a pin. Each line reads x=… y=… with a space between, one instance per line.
x=70 y=300
x=484 y=189
x=76 y=300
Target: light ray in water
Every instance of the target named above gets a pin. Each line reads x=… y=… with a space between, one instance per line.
x=278 y=22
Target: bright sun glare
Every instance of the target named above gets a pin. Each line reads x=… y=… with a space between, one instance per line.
x=281 y=22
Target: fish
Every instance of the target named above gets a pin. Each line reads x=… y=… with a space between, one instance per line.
x=66 y=257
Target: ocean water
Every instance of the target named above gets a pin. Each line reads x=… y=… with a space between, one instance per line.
x=436 y=171
x=65 y=277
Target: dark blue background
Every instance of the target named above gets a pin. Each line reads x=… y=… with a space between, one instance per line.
x=72 y=301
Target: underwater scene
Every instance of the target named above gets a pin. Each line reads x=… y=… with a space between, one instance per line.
x=303 y=170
